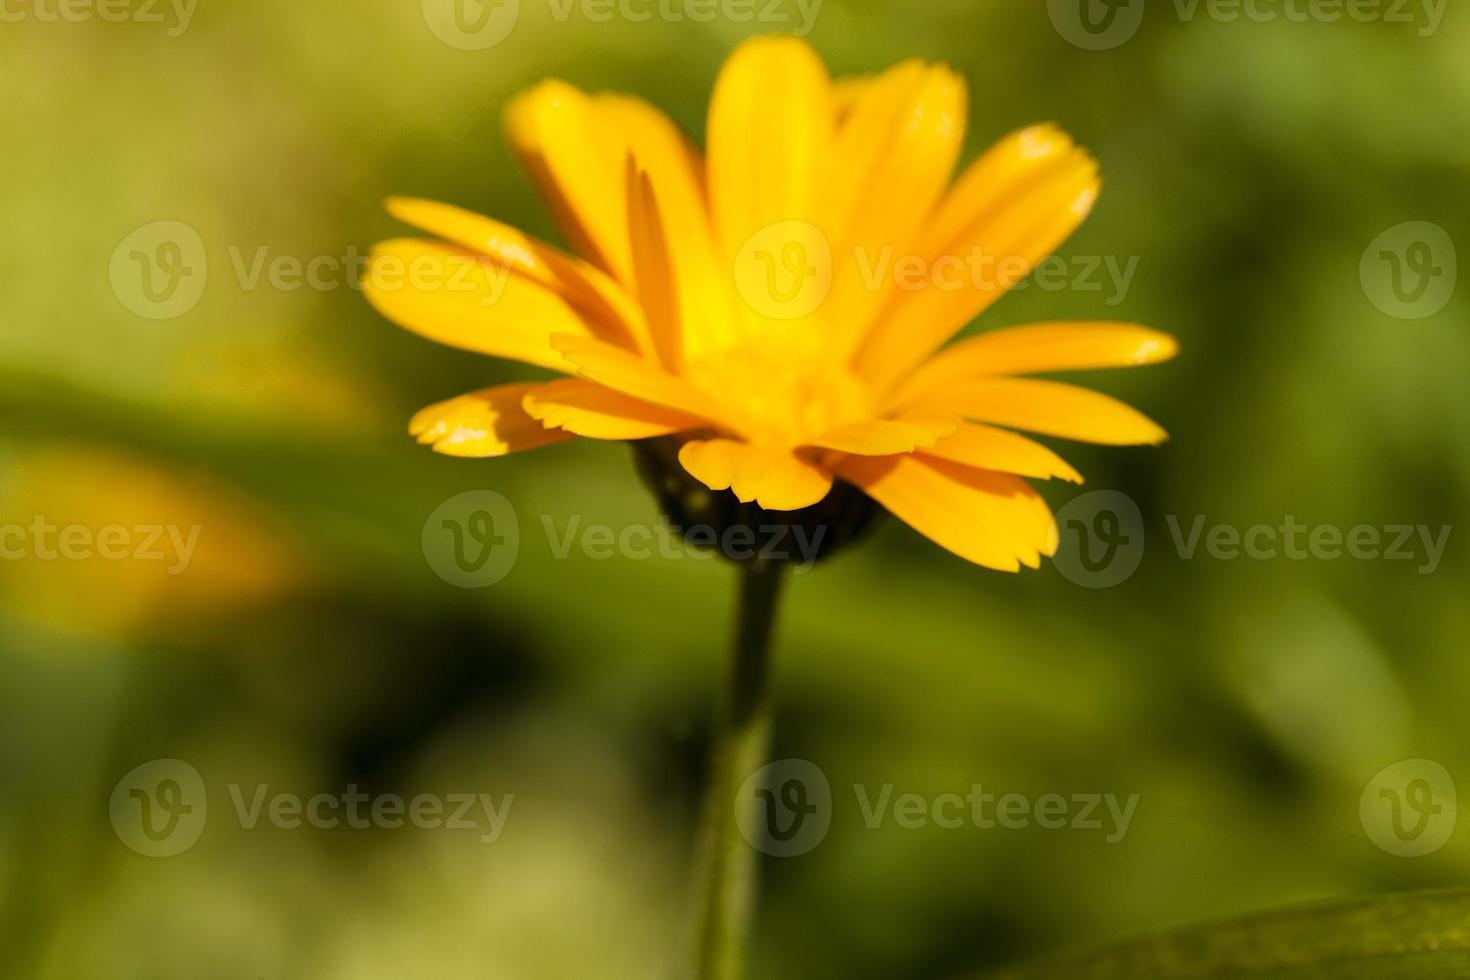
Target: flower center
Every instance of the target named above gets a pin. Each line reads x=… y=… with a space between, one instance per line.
x=782 y=398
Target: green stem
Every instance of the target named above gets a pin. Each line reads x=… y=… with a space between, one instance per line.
x=725 y=886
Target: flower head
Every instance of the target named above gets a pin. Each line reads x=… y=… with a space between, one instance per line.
x=782 y=303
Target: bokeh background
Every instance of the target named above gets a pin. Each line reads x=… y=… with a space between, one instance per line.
x=310 y=646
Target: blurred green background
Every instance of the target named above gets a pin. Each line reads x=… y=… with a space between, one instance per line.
x=311 y=647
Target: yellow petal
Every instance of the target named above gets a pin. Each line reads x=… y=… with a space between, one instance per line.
x=903 y=131
x=775 y=479
x=989 y=448
x=676 y=171
x=490 y=422
x=896 y=151
x=1051 y=408
x=939 y=425
x=876 y=437
x=770 y=135
x=1009 y=211
x=845 y=92
x=617 y=369
x=610 y=313
x=1039 y=347
x=469 y=302
x=653 y=270
x=588 y=409
x=576 y=161
x=1012 y=165
x=991 y=519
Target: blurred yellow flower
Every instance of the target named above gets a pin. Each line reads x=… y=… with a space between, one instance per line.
x=98 y=541
x=781 y=305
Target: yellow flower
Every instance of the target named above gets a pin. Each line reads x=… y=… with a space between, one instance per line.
x=781 y=304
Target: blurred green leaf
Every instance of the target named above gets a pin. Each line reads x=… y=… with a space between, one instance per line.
x=1419 y=935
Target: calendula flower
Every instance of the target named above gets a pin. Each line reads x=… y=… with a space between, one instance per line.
x=781 y=304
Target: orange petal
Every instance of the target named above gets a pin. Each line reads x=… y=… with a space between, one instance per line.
x=700 y=281
x=770 y=132
x=1051 y=408
x=904 y=131
x=1015 y=164
x=576 y=161
x=845 y=93
x=622 y=371
x=489 y=422
x=1010 y=210
x=610 y=313
x=876 y=437
x=469 y=302
x=991 y=519
x=776 y=479
x=653 y=269
x=989 y=448
x=588 y=409
x=1039 y=347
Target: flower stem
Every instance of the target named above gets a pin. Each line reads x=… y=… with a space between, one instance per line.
x=725 y=886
